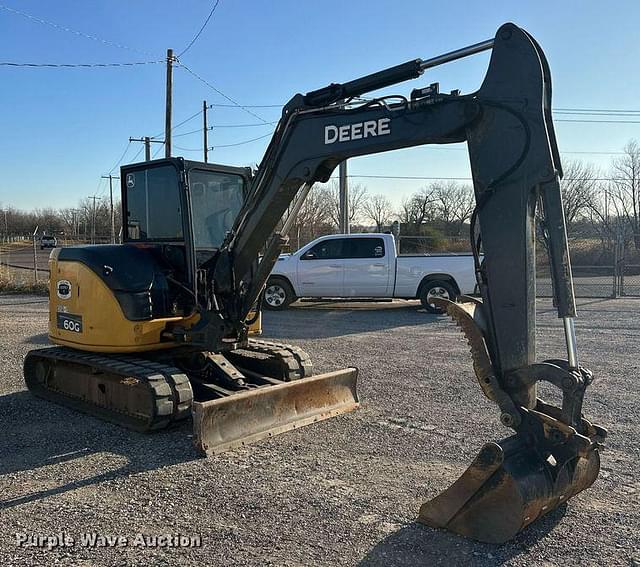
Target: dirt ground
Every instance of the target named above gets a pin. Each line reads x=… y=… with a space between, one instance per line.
x=342 y=492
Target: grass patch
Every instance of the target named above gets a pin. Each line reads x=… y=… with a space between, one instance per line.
x=15 y=280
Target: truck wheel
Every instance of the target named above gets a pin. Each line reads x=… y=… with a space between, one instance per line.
x=278 y=294
x=433 y=289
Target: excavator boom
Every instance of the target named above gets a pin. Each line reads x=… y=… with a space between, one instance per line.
x=515 y=165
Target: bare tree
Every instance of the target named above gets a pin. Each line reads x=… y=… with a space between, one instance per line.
x=314 y=217
x=357 y=197
x=66 y=222
x=454 y=203
x=404 y=213
x=580 y=188
x=421 y=207
x=624 y=188
x=379 y=210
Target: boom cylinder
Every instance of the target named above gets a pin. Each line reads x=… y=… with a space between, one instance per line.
x=390 y=76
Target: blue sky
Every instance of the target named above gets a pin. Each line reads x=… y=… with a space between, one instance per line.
x=61 y=129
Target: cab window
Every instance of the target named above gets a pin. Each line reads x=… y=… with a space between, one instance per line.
x=365 y=248
x=154 y=208
x=330 y=249
x=216 y=200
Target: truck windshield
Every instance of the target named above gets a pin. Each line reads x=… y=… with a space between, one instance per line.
x=216 y=199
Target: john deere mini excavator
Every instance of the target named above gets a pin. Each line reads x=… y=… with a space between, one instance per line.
x=157 y=329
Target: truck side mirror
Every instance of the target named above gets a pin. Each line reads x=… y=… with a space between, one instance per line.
x=309 y=255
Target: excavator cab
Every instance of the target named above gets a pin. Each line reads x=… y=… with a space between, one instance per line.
x=182 y=211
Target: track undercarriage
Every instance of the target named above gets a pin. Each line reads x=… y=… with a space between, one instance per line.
x=151 y=391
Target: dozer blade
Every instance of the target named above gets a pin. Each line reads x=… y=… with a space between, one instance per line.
x=252 y=415
x=507 y=487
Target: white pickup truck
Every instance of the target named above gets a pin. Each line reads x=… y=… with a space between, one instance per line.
x=367 y=265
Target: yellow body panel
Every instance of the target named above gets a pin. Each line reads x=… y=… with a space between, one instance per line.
x=256 y=327
x=104 y=326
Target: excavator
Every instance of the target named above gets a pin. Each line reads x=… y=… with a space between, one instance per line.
x=163 y=326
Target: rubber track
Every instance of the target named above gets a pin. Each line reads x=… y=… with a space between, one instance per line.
x=296 y=360
x=178 y=380
x=169 y=387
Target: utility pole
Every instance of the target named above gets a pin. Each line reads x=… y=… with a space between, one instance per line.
x=74 y=223
x=113 y=219
x=344 y=196
x=344 y=199
x=93 y=219
x=205 y=130
x=169 y=102
x=35 y=256
x=147 y=141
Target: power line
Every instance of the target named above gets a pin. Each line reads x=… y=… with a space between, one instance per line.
x=222 y=126
x=597 y=110
x=187 y=149
x=248 y=105
x=121 y=157
x=191 y=132
x=559 y=110
x=244 y=125
x=179 y=124
x=225 y=145
x=215 y=5
x=426 y=178
x=187 y=119
x=76 y=65
x=605 y=153
x=134 y=158
x=597 y=114
x=158 y=151
x=70 y=30
x=599 y=121
x=204 y=81
x=241 y=143
x=596 y=153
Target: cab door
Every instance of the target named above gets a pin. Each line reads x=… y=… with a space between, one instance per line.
x=321 y=269
x=368 y=268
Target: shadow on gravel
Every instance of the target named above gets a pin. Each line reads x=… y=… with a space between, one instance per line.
x=330 y=319
x=416 y=544
x=41 y=339
x=37 y=434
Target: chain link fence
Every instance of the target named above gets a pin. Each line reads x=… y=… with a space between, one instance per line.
x=601 y=268
x=408 y=245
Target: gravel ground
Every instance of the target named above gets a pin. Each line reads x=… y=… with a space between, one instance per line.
x=344 y=491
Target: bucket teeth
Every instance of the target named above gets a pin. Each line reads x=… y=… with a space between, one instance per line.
x=468 y=316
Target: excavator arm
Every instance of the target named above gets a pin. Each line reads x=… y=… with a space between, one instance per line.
x=515 y=164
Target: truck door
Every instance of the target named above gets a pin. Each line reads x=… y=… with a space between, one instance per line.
x=321 y=269
x=367 y=268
